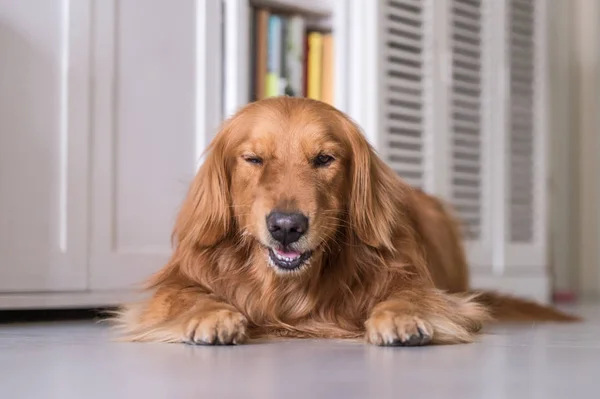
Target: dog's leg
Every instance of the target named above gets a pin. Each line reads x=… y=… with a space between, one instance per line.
x=188 y=315
x=420 y=317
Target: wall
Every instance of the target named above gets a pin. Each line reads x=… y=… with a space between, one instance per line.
x=574 y=186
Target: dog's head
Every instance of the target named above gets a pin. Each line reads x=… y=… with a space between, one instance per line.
x=288 y=174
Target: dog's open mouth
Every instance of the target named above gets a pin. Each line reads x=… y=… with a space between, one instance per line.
x=288 y=259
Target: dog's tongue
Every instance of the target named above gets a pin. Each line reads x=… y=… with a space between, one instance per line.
x=288 y=254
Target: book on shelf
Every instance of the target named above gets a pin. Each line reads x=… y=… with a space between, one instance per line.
x=274 y=52
x=294 y=57
x=259 y=47
x=289 y=58
x=327 y=69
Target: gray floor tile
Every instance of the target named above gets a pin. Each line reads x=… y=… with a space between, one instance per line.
x=79 y=360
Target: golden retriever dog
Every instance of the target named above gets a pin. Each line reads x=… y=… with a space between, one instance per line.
x=294 y=227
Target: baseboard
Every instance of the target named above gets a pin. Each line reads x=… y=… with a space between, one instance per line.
x=536 y=287
x=61 y=300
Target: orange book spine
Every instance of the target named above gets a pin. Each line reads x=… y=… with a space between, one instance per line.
x=315 y=57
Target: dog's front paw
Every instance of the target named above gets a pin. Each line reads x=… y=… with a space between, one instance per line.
x=388 y=328
x=218 y=327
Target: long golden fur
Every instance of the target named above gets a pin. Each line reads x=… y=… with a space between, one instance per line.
x=384 y=261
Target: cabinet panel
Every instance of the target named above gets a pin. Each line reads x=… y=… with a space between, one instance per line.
x=149 y=132
x=44 y=132
x=470 y=49
x=526 y=120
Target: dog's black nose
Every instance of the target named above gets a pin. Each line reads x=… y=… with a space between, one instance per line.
x=287 y=228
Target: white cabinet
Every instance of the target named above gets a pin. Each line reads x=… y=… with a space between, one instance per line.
x=44 y=145
x=105 y=110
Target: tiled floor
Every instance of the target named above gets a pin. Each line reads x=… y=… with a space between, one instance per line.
x=78 y=360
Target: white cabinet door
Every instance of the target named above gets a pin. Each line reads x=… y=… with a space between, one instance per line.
x=526 y=187
x=43 y=144
x=155 y=106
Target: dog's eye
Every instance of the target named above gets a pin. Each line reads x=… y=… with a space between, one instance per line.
x=253 y=160
x=323 y=160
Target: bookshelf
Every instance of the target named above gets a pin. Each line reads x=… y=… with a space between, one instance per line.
x=319 y=19
x=291 y=50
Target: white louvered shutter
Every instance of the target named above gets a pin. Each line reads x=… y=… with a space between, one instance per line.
x=469 y=127
x=460 y=112
x=405 y=89
x=526 y=189
x=435 y=91
x=452 y=93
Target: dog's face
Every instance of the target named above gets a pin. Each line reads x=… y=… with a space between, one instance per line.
x=288 y=183
x=287 y=174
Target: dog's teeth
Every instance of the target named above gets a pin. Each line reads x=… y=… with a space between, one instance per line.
x=284 y=258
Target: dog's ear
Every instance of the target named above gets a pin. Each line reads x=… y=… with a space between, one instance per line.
x=375 y=198
x=205 y=217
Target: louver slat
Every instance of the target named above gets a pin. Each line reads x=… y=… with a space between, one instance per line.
x=466 y=109
x=403 y=68
x=521 y=128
